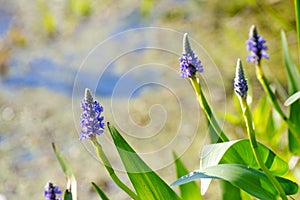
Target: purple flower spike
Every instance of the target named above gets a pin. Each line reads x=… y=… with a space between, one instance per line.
x=189 y=62
x=51 y=191
x=91 y=119
x=240 y=82
x=255 y=44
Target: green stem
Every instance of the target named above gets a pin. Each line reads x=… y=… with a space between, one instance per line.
x=250 y=129
x=110 y=170
x=207 y=110
x=294 y=128
x=264 y=82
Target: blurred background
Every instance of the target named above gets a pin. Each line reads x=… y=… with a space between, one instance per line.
x=45 y=48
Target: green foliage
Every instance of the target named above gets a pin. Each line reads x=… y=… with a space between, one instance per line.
x=99 y=191
x=189 y=191
x=238 y=152
x=147 y=183
x=251 y=180
x=294 y=86
x=66 y=168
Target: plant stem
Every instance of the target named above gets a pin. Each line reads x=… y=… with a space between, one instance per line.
x=110 y=170
x=294 y=128
x=206 y=108
x=264 y=82
x=251 y=134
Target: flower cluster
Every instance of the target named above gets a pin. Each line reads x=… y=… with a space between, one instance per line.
x=240 y=82
x=91 y=119
x=51 y=191
x=255 y=44
x=189 y=62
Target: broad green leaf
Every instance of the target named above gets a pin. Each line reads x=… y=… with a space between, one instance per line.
x=294 y=86
x=292 y=99
x=68 y=195
x=146 y=183
x=239 y=152
x=99 y=191
x=248 y=179
x=65 y=166
x=224 y=185
x=189 y=191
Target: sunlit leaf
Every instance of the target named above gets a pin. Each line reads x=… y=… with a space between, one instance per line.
x=66 y=168
x=253 y=181
x=146 y=183
x=238 y=152
x=191 y=190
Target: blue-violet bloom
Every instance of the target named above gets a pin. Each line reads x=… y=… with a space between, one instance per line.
x=51 y=191
x=255 y=44
x=240 y=82
x=91 y=119
x=189 y=62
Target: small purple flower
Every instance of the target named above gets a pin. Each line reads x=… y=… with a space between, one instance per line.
x=91 y=119
x=51 y=191
x=255 y=44
x=189 y=62
x=240 y=82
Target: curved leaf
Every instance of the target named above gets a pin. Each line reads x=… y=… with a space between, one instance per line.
x=238 y=152
x=253 y=181
x=146 y=183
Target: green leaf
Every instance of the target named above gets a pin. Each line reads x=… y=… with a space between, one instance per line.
x=239 y=152
x=146 y=183
x=253 y=181
x=65 y=166
x=68 y=195
x=291 y=68
x=229 y=191
x=294 y=86
x=292 y=99
x=99 y=191
x=189 y=191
